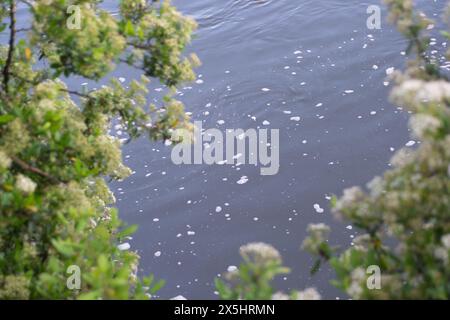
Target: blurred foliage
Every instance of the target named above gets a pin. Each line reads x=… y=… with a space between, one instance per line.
x=55 y=148
x=252 y=280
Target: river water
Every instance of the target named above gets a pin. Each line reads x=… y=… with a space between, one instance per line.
x=266 y=63
x=321 y=63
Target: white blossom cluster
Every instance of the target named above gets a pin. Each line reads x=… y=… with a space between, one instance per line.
x=318 y=234
x=25 y=184
x=5 y=161
x=260 y=253
x=307 y=294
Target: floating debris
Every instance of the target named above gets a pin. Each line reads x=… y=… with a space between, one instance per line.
x=318 y=208
x=242 y=180
x=232 y=268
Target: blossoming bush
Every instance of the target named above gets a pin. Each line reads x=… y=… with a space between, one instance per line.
x=404 y=216
x=252 y=280
x=55 y=149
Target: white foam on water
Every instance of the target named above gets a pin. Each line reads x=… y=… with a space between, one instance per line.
x=242 y=180
x=318 y=208
x=232 y=268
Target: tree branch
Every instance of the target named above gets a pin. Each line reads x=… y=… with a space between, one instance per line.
x=77 y=93
x=12 y=38
x=23 y=30
x=74 y=92
x=25 y=166
x=140 y=46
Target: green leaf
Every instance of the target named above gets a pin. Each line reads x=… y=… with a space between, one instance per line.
x=316 y=266
x=158 y=285
x=6 y=118
x=129 y=29
x=63 y=247
x=223 y=290
x=128 y=231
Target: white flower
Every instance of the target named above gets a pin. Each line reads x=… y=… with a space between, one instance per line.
x=401 y=158
x=442 y=254
x=308 y=294
x=355 y=290
x=423 y=123
x=280 y=296
x=362 y=241
x=124 y=246
x=5 y=161
x=92 y=223
x=319 y=228
x=358 y=277
x=260 y=253
x=446 y=241
x=318 y=234
x=25 y=184
x=350 y=196
x=358 y=274
x=434 y=91
x=376 y=186
x=421 y=91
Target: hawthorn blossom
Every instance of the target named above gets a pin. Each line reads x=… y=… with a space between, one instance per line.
x=25 y=184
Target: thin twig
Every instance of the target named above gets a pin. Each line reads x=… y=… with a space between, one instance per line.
x=25 y=166
x=77 y=93
x=33 y=82
x=23 y=29
x=140 y=46
x=12 y=38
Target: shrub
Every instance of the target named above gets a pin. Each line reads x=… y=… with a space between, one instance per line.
x=253 y=279
x=55 y=150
